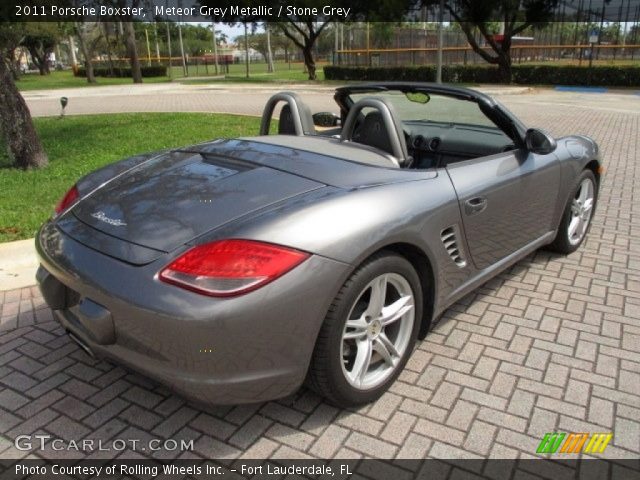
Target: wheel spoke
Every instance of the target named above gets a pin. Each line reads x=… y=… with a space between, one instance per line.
x=358 y=329
x=588 y=205
x=573 y=226
x=386 y=349
x=582 y=228
x=396 y=310
x=362 y=361
x=584 y=192
x=377 y=331
x=377 y=297
x=581 y=210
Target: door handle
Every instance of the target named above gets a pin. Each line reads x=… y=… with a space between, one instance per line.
x=475 y=205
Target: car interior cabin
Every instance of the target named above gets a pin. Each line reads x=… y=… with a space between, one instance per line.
x=394 y=127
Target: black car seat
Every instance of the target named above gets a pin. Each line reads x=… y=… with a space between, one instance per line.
x=373 y=132
x=285 y=122
x=295 y=116
x=380 y=129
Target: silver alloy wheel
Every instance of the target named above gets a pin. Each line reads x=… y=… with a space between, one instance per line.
x=581 y=209
x=377 y=331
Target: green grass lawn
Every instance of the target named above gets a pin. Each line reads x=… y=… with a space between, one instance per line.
x=77 y=145
x=65 y=79
x=284 y=72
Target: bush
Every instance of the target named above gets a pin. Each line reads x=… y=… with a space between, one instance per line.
x=624 y=76
x=422 y=73
x=123 y=72
x=605 y=76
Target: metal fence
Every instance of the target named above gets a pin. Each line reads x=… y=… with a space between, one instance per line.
x=203 y=66
x=571 y=54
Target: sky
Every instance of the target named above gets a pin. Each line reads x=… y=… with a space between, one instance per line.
x=231 y=31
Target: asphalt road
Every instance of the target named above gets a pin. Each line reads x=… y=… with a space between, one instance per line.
x=249 y=99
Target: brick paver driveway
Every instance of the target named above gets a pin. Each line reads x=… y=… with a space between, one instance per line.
x=552 y=344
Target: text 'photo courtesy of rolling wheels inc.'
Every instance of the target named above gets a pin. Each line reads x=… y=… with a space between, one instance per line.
x=393 y=239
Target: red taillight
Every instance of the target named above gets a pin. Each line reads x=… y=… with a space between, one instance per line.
x=69 y=199
x=231 y=267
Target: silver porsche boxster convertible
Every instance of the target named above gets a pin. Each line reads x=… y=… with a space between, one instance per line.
x=237 y=269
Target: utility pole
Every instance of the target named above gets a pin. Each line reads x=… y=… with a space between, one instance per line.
x=440 y=41
x=246 y=50
x=336 y=44
x=146 y=35
x=270 y=68
x=155 y=36
x=169 y=46
x=368 y=47
x=166 y=2
x=184 y=61
x=215 y=45
x=597 y=51
x=625 y=29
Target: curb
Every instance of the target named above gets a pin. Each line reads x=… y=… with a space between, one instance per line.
x=18 y=264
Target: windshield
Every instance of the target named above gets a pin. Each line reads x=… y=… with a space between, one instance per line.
x=436 y=108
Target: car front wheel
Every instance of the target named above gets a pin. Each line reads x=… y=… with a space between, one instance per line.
x=369 y=332
x=576 y=218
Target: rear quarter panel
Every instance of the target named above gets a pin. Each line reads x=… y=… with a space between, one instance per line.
x=351 y=225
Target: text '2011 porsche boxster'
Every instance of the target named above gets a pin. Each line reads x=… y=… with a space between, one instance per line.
x=235 y=270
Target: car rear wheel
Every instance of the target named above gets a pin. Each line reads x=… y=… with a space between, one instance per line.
x=369 y=332
x=577 y=215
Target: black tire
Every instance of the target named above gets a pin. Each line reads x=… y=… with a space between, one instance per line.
x=562 y=243
x=326 y=374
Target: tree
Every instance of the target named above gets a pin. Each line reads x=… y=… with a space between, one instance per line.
x=257 y=41
x=89 y=36
x=304 y=30
x=106 y=31
x=127 y=35
x=196 y=39
x=11 y=36
x=246 y=25
x=132 y=52
x=40 y=39
x=381 y=34
x=267 y=31
x=304 y=35
x=23 y=145
x=280 y=43
x=633 y=34
x=515 y=16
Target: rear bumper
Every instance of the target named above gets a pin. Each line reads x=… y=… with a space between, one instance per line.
x=246 y=349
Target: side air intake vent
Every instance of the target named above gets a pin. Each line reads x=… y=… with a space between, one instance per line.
x=449 y=238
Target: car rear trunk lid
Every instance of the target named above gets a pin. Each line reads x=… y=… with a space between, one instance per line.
x=174 y=198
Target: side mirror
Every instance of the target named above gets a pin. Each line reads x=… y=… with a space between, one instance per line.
x=326 y=119
x=539 y=141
